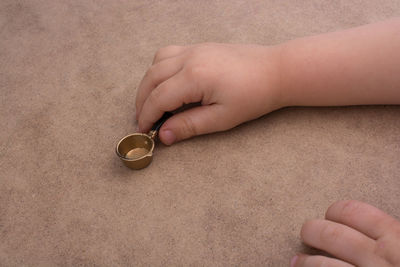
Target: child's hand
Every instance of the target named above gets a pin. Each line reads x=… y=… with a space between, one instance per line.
x=233 y=83
x=237 y=83
x=356 y=234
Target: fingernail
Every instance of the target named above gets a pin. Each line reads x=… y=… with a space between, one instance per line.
x=168 y=137
x=293 y=261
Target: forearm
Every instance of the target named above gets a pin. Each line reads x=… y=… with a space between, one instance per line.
x=351 y=67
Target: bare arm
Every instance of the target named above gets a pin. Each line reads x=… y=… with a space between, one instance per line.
x=237 y=83
x=351 y=67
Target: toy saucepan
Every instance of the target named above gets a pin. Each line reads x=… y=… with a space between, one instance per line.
x=136 y=150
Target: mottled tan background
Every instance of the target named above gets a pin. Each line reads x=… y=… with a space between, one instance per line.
x=68 y=77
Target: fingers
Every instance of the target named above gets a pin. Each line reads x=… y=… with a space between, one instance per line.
x=155 y=75
x=168 y=52
x=192 y=122
x=168 y=96
x=166 y=63
x=312 y=261
x=360 y=216
x=354 y=232
x=340 y=241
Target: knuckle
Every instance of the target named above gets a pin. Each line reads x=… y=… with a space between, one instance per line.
x=349 y=208
x=165 y=51
x=329 y=233
x=196 y=72
x=150 y=73
x=188 y=127
x=155 y=96
x=160 y=53
x=384 y=249
x=380 y=248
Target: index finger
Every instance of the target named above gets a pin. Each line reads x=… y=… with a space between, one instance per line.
x=168 y=96
x=155 y=75
x=168 y=52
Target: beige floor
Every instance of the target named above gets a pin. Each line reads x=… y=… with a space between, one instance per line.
x=68 y=75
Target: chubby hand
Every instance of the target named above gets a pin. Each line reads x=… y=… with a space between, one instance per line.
x=356 y=234
x=233 y=83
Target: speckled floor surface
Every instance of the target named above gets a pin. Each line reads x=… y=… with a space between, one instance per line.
x=68 y=77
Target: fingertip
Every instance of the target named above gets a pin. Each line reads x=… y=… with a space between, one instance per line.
x=293 y=261
x=137 y=110
x=332 y=209
x=168 y=137
x=307 y=229
x=304 y=229
x=298 y=260
x=141 y=128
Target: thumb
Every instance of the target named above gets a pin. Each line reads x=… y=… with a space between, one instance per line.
x=192 y=122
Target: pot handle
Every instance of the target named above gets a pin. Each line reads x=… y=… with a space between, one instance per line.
x=159 y=123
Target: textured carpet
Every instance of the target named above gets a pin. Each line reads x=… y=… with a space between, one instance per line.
x=68 y=77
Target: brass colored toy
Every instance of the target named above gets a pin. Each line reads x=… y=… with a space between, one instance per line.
x=136 y=150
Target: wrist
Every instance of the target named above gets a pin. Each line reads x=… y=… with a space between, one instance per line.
x=277 y=85
x=285 y=96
